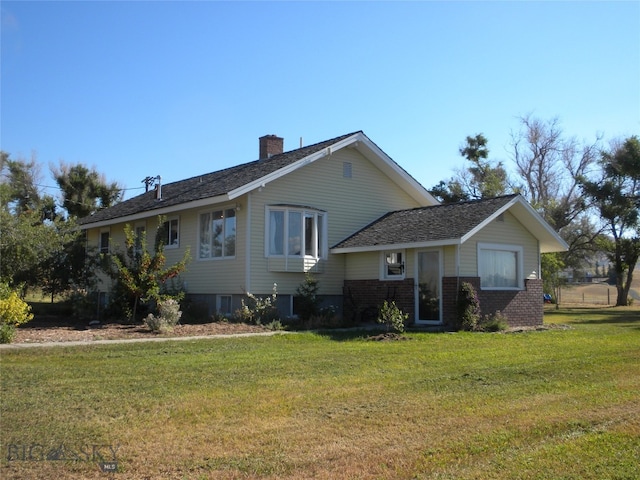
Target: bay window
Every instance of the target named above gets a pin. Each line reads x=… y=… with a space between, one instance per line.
x=295 y=232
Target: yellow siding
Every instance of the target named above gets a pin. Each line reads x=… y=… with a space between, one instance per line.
x=508 y=232
x=449 y=262
x=202 y=276
x=350 y=203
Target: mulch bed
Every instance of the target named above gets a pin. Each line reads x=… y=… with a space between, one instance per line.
x=52 y=329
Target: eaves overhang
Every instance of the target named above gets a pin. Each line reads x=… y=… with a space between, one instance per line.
x=157 y=211
x=397 y=246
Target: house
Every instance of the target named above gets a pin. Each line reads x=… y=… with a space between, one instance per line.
x=346 y=212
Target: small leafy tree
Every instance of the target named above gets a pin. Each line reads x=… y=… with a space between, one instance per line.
x=140 y=273
x=552 y=264
x=13 y=312
x=468 y=307
x=392 y=317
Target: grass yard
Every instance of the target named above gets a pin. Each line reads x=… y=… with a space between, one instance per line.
x=562 y=403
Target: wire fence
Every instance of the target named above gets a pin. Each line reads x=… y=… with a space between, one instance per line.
x=588 y=295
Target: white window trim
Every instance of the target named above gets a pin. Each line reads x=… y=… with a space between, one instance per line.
x=518 y=249
x=224 y=257
x=166 y=239
x=383 y=265
x=322 y=245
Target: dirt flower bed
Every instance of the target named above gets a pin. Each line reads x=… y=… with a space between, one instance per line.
x=53 y=330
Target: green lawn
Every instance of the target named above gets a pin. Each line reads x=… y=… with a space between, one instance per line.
x=562 y=403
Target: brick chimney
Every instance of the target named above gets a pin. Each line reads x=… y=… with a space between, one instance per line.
x=270 y=145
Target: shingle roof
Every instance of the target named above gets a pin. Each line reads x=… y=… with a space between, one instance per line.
x=208 y=185
x=426 y=224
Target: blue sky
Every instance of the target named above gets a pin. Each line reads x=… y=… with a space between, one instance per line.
x=183 y=88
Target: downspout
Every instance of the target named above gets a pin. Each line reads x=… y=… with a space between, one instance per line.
x=247 y=266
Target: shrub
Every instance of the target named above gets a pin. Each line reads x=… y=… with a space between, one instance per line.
x=275 y=325
x=257 y=310
x=7 y=333
x=391 y=316
x=493 y=323
x=83 y=304
x=168 y=316
x=325 y=318
x=13 y=312
x=468 y=308
x=307 y=301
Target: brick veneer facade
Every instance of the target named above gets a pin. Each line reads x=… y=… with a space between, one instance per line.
x=520 y=307
x=362 y=297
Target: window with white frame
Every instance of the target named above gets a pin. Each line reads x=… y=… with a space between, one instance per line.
x=171 y=233
x=500 y=266
x=393 y=265
x=295 y=232
x=104 y=241
x=217 y=234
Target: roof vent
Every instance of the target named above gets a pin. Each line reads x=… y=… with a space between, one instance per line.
x=270 y=145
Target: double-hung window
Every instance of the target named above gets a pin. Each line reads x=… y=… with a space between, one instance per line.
x=500 y=266
x=295 y=232
x=171 y=233
x=218 y=234
x=104 y=241
x=393 y=265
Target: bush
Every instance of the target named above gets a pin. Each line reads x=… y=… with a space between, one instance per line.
x=468 y=308
x=169 y=316
x=13 y=312
x=257 y=310
x=275 y=325
x=7 y=333
x=493 y=323
x=391 y=316
x=306 y=298
x=84 y=305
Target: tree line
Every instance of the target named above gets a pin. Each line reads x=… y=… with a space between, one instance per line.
x=589 y=193
x=40 y=244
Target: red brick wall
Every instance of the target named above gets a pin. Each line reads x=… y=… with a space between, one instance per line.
x=520 y=307
x=362 y=298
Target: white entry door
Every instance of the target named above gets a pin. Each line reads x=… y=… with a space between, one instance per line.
x=428 y=287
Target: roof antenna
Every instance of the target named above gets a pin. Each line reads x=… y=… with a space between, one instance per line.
x=148 y=181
